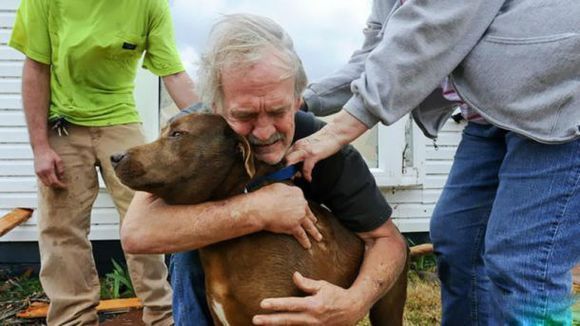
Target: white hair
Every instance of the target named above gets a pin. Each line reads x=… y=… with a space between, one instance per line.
x=242 y=40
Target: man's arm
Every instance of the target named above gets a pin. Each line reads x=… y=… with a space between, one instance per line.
x=385 y=259
x=36 y=99
x=152 y=226
x=328 y=304
x=181 y=89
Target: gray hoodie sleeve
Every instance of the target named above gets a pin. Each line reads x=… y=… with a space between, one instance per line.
x=421 y=42
x=327 y=96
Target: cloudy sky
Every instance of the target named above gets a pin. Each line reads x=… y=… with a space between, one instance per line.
x=325 y=32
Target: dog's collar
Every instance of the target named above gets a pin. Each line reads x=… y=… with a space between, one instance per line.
x=280 y=175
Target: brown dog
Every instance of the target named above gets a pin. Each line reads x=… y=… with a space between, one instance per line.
x=200 y=158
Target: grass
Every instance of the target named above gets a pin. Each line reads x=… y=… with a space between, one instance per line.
x=16 y=293
x=117 y=284
x=423 y=302
x=423 y=305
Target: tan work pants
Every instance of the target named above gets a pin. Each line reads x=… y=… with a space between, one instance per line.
x=68 y=273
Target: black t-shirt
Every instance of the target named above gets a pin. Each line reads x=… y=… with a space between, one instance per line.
x=343 y=183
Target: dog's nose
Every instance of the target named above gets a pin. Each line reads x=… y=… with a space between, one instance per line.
x=117 y=158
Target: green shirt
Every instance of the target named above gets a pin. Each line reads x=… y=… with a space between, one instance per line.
x=93 y=48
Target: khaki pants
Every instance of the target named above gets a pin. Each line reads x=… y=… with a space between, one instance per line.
x=68 y=273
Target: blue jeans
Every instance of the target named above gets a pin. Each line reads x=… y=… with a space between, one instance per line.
x=506 y=230
x=187 y=279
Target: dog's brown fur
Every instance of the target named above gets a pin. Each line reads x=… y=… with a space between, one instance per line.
x=199 y=158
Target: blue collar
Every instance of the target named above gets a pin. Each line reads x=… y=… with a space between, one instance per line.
x=280 y=175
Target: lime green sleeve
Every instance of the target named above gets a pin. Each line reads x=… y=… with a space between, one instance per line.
x=30 y=34
x=161 y=56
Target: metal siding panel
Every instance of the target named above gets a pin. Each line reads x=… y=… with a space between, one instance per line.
x=7 y=19
x=15 y=151
x=440 y=153
x=16 y=168
x=438 y=167
x=11 y=68
x=412 y=211
x=13 y=135
x=9 y=102
x=30 y=233
x=10 y=5
x=11 y=200
x=12 y=119
x=412 y=225
x=414 y=206
x=10 y=86
x=5 y=36
x=7 y=53
x=17 y=184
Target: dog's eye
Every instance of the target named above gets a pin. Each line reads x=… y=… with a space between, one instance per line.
x=176 y=133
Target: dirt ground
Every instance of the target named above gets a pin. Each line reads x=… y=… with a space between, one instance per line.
x=423 y=305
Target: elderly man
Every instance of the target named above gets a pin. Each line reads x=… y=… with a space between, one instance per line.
x=252 y=76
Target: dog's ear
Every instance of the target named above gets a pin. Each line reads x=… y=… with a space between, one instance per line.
x=246 y=150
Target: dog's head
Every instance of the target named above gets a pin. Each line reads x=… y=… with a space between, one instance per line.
x=197 y=158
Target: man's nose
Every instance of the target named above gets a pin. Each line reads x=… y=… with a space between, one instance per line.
x=117 y=158
x=264 y=129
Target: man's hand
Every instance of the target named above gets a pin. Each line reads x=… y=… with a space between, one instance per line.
x=283 y=209
x=49 y=168
x=327 y=304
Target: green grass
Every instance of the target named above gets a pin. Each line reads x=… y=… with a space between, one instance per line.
x=19 y=288
x=117 y=284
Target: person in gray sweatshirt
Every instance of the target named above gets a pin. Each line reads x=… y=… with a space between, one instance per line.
x=506 y=227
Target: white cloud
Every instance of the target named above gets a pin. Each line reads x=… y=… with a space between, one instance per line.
x=325 y=32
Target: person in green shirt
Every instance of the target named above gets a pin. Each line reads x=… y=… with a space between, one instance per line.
x=77 y=86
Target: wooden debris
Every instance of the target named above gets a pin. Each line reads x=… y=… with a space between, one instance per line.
x=40 y=309
x=421 y=250
x=14 y=218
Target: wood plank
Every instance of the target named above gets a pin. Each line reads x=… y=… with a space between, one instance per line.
x=421 y=250
x=40 y=309
x=13 y=219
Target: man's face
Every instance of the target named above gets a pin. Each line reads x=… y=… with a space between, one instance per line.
x=260 y=105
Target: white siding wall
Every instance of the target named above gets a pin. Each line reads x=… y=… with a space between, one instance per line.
x=17 y=180
x=413 y=206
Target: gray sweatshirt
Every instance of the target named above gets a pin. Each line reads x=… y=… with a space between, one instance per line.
x=516 y=62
